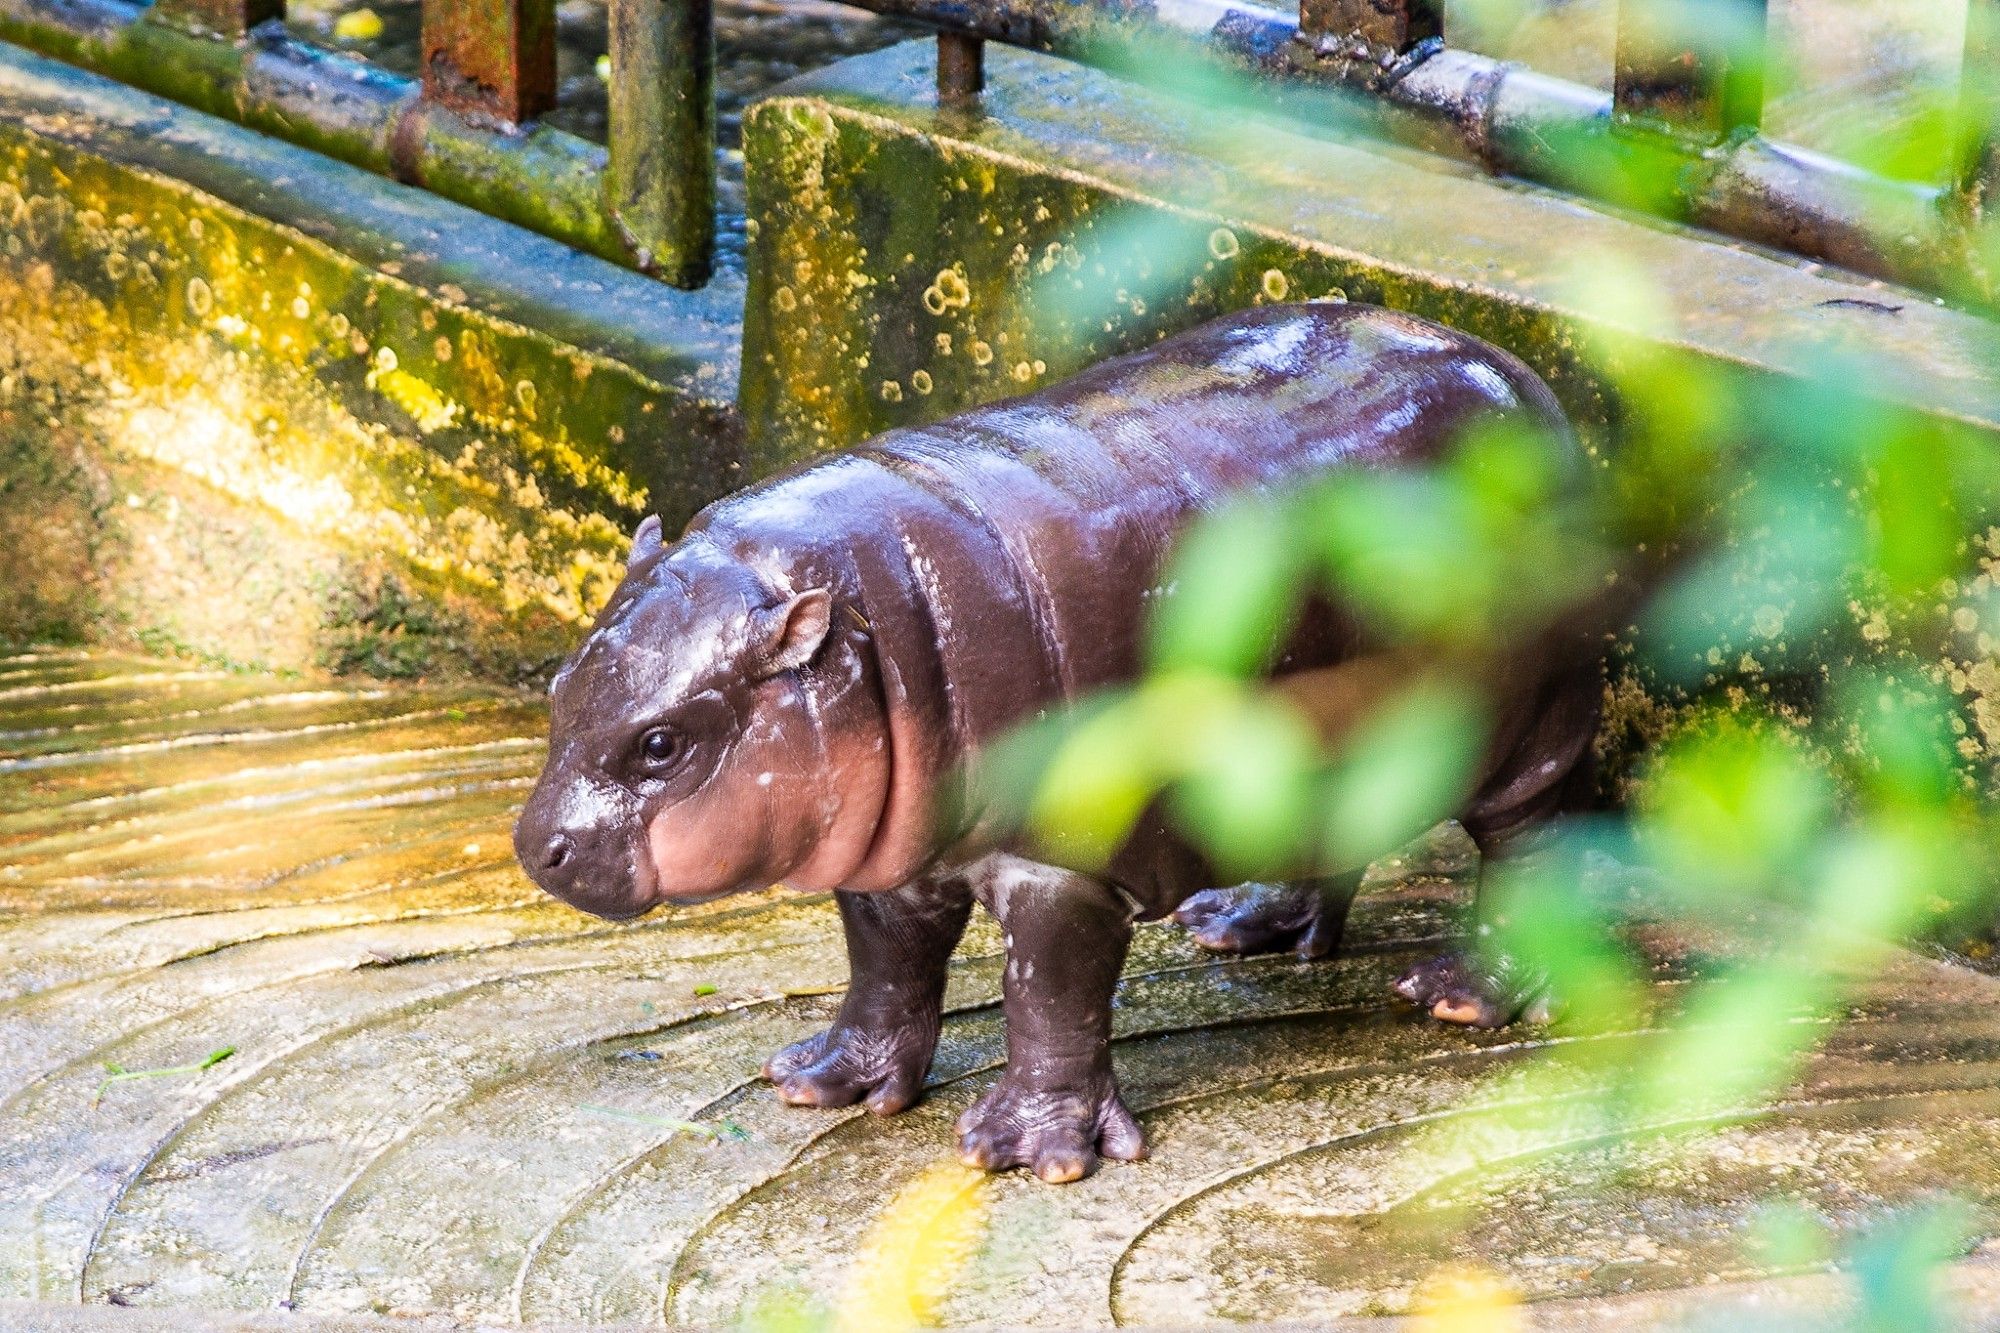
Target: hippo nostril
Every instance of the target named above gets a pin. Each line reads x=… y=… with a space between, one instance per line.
x=559 y=850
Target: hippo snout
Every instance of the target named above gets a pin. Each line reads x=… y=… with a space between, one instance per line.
x=592 y=874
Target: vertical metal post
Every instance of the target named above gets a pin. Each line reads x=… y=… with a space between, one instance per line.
x=1369 y=29
x=494 y=58
x=1692 y=68
x=1979 y=108
x=961 y=69
x=224 y=18
x=660 y=187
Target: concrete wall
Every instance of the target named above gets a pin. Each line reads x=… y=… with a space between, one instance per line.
x=260 y=408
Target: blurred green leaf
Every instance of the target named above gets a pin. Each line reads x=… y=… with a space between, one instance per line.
x=1116 y=267
x=1901 y=749
x=1730 y=809
x=1895 y=1269
x=1098 y=781
x=1402 y=770
x=1788 y=1238
x=1235 y=579
x=1246 y=787
x=1736 y=1044
x=1544 y=922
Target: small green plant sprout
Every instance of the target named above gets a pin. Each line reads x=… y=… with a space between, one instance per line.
x=117 y=1073
x=727 y=1131
x=704 y=989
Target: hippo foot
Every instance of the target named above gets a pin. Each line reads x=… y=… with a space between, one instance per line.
x=1455 y=990
x=845 y=1065
x=1265 y=918
x=1059 y=1135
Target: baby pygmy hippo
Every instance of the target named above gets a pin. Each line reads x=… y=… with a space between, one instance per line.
x=782 y=696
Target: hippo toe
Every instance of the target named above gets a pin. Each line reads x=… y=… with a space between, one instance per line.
x=1453 y=989
x=1058 y=1135
x=845 y=1065
x=1305 y=918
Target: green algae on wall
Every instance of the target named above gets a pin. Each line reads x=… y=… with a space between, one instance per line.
x=1074 y=216
x=433 y=432
x=899 y=273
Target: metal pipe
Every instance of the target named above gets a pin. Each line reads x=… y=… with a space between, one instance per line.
x=660 y=190
x=1510 y=120
x=541 y=178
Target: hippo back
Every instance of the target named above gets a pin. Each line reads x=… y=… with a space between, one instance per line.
x=1004 y=560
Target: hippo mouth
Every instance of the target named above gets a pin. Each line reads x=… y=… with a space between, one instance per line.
x=570 y=870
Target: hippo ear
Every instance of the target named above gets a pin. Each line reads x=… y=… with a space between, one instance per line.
x=785 y=637
x=646 y=541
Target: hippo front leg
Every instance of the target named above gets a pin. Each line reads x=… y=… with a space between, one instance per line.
x=880 y=1045
x=1056 y=1109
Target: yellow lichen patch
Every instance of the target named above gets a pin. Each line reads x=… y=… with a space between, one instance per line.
x=948 y=291
x=359 y=25
x=229 y=459
x=429 y=409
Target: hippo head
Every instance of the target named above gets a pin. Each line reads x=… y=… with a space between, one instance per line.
x=717 y=732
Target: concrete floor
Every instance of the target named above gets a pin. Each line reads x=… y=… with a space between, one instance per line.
x=450 y=1096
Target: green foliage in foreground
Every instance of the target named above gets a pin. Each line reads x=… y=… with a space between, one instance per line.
x=1806 y=586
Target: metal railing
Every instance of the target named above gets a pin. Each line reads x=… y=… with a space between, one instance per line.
x=1678 y=135
x=466 y=131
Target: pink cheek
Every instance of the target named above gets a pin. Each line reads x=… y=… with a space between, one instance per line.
x=703 y=845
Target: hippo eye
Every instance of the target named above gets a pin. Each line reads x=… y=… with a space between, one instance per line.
x=660 y=746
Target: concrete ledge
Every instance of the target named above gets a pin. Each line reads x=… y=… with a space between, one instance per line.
x=337 y=363
x=908 y=260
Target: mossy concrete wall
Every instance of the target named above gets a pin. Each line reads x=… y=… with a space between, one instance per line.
x=258 y=407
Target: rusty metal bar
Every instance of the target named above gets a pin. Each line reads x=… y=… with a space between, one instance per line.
x=494 y=58
x=224 y=18
x=1506 y=119
x=660 y=189
x=1691 y=68
x=1374 y=31
x=545 y=180
x=961 y=68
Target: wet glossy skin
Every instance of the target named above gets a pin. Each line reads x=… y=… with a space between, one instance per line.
x=785 y=694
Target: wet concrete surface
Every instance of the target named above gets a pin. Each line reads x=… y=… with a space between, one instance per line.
x=449 y=1095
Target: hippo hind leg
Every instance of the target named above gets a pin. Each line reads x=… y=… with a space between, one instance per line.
x=879 y=1048
x=1305 y=917
x=1550 y=774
